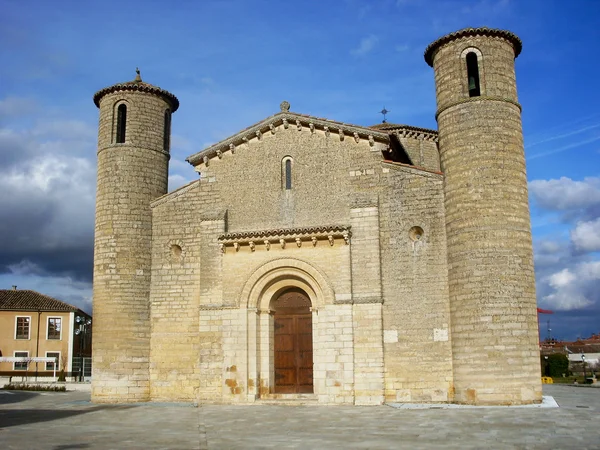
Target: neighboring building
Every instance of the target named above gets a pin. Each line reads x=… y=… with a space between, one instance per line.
x=318 y=259
x=35 y=325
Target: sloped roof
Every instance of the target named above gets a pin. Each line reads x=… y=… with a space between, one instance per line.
x=466 y=32
x=25 y=300
x=287 y=118
x=140 y=86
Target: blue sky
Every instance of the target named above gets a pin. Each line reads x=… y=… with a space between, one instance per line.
x=232 y=62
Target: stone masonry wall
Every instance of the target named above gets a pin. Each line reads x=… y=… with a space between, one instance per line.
x=186 y=340
x=130 y=176
x=490 y=257
x=416 y=317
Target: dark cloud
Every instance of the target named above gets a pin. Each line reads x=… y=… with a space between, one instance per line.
x=47 y=200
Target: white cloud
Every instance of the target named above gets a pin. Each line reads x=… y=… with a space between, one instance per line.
x=586 y=236
x=573 y=288
x=16 y=106
x=176 y=181
x=366 y=45
x=565 y=193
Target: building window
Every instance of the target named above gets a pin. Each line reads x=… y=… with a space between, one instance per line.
x=56 y=356
x=167 y=131
x=54 y=327
x=287 y=173
x=22 y=331
x=473 y=75
x=121 y=123
x=23 y=364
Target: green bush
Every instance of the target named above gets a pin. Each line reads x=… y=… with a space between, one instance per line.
x=555 y=366
x=33 y=387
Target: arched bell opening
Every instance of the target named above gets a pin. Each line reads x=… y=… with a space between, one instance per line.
x=292 y=342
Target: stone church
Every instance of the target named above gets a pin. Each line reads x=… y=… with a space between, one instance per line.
x=321 y=262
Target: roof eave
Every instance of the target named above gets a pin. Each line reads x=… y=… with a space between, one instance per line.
x=287 y=119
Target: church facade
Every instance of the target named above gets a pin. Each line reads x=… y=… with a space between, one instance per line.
x=319 y=261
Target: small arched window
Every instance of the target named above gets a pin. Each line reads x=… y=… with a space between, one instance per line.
x=473 y=75
x=121 y=123
x=167 y=131
x=286 y=173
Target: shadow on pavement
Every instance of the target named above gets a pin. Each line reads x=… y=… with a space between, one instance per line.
x=16 y=417
x=7 y=397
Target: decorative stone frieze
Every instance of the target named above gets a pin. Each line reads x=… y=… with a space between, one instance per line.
x=285 y=235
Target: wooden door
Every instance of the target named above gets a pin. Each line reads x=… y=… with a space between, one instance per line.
x=293 y=344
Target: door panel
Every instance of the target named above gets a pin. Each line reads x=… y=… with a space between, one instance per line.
x=293 y=351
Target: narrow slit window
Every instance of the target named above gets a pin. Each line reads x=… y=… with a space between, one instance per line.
x=121 y=123
x=473 y=75
x=288 y=174
x=167 y=131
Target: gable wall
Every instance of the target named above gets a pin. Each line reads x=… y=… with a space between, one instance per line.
x=251 y=186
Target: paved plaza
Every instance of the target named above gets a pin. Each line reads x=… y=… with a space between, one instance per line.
x=69 y=421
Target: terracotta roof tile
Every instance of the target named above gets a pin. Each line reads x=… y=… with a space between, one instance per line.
x=25 y=300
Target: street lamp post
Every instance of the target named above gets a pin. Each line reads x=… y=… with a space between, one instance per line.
x=546 y=367
x=584 y=372
x=82 y=328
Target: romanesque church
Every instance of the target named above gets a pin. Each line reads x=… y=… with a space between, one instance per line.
x=320 y=262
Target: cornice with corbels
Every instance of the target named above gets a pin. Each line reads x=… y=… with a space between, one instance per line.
x=416 y=133
x=284 y=237
x=289 y=121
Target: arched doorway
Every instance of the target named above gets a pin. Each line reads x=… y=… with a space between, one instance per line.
x=293 y=352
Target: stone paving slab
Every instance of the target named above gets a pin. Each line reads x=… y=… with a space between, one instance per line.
x=69 y=421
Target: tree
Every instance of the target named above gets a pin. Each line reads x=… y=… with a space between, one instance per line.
x=556 y=365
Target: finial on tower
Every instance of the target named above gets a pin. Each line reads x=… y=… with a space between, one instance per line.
x=384 y=112
x=138 y=76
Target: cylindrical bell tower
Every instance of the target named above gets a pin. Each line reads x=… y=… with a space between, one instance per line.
x=133 y=163
x=490 y=256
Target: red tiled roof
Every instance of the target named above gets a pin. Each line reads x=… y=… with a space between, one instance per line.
x=25 y=300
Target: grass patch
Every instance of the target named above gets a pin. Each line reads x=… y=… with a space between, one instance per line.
x=33 y=387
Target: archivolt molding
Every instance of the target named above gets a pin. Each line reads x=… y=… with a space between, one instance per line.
x=278 y=274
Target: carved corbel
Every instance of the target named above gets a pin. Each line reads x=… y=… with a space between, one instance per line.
x=312 y=127
x=285 y=124
x=356 y=137
x=252 y=246
x=298 y=125
x=272 y=128
x=205 y=159
x=246 y=141
x=258 y=134
x=346 y=237
x=267 y=245
x=221 y=247
x=236 y=246
x=371 y=140
x=232 y=148
x=299 y=242
x=326 y=131
x=341 y=133
x=330 y=239
x=314 y=241
x=282 y=243
x=220 y=154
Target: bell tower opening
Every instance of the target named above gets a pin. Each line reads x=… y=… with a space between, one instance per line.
x=293 y=350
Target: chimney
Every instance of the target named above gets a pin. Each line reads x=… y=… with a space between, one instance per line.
x=14 y=287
